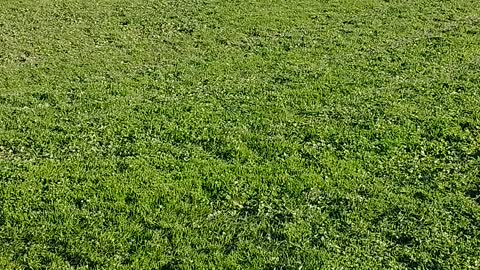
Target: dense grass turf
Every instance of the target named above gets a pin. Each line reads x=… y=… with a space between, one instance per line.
x=166 y=134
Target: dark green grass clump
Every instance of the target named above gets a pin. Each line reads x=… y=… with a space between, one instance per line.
x=239 y=134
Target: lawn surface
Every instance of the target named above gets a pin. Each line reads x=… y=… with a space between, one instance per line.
x=280 y=134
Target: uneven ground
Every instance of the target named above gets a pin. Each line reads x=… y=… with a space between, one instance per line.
x=175 y=134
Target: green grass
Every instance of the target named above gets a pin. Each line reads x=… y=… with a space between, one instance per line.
x=281 y=134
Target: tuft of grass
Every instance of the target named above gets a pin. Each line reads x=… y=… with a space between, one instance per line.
x=239 y=134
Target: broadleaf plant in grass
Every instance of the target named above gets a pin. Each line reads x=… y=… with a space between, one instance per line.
x=159 y=134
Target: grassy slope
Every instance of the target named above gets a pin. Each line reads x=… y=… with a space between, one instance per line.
x=239 y=134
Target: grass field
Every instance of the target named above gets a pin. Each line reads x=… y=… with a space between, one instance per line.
x=208 y=134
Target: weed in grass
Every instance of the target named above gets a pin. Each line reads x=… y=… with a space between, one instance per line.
x=252 y=135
